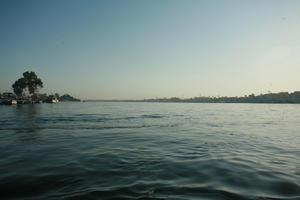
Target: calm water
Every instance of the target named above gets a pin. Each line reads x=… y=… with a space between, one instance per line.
x=149 y=151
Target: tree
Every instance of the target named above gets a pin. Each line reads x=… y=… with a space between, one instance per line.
x=67 y=97
x=29 y=81
x=33 y=83
x=19 y=87
x=56 y=95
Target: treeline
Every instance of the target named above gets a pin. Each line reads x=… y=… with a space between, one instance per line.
x=38 y=97
x=282 y=97
x=65 y=97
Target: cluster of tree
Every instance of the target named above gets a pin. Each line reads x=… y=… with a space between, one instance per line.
x=282 y=97
x=28 y=83
x=45 y=97
x=27 y=87
x=65 y=97
x=39 y=97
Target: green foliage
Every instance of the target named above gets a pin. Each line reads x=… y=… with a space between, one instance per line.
x=19 y=87
x=67 y=97
x=32 y=82
x=29 y=81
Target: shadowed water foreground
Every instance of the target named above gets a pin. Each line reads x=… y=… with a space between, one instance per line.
x=115 y=150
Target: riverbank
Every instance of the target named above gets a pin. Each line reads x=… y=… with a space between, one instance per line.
x=11 y=99
x=272 y=98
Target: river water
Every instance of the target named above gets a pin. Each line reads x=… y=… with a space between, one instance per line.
x=113 y=150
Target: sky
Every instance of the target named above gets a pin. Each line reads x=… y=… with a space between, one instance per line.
x=136 y=49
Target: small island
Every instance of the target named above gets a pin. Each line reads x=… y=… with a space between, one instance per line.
x=25 y=91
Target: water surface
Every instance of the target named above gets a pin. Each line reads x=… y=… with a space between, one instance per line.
x=102 y=150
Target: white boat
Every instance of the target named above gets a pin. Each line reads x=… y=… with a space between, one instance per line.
x=52 y=100
x=9 y=102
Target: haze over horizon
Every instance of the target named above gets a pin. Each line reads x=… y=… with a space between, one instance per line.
x=146 y=49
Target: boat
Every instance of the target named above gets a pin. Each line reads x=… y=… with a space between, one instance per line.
x=51 y=100
x=9 y=102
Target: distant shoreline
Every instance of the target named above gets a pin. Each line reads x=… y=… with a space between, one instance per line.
x=141 y=101
x=270 y=98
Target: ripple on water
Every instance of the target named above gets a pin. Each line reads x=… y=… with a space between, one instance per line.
x=138 y=151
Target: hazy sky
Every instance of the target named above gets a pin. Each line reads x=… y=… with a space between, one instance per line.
x=139 y=49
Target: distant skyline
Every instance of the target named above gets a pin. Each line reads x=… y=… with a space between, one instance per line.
x=132 y=49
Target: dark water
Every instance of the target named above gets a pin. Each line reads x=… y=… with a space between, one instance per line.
x=150 y=151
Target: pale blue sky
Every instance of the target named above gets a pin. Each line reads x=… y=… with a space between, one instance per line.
x=139 y=49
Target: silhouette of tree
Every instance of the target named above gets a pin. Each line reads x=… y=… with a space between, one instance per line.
x=32 y=82
x=29 y=81
x=19 y=87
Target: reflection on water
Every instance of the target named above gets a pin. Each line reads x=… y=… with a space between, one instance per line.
x=28 y=112
x=150 y=151
x=27 y=117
